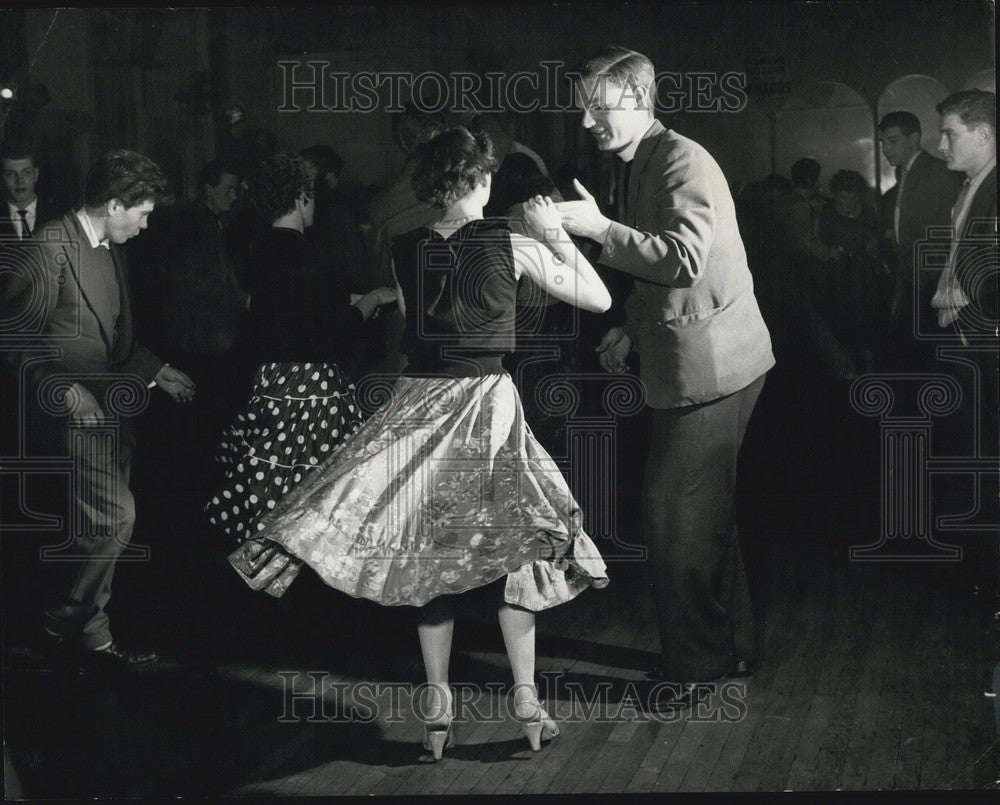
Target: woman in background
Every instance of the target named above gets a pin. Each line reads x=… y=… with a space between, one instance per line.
x=302 y=404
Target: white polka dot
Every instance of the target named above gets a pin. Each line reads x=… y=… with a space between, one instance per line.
x=215 y=501
x=260 y=526
x=259 y=476
x=224 y=516
x=298 y=477
x=226 y=493
x=301 y=389
x=281 y=437
x=236 y=509
x=300 y=439
x=313 y=460
x=270 y=504
x=315 y=376
x=324 y=447
x=253 y=498
x=239 y=487
x=324 y=385
x=239 y=526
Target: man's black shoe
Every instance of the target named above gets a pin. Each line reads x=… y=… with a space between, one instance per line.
x=672 y=697
x=742 y=670
x=115 y=656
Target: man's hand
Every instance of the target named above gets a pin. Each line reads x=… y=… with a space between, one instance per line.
x=614 y=349
x=177 y=384
x=583 y=217
x=385 y=295
x=83 y=406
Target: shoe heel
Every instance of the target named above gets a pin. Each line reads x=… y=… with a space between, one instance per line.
x=436 y=741
x=533 y=732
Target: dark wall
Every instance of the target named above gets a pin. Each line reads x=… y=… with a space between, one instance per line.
x=113 y=74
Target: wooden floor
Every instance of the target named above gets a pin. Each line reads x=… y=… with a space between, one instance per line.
x=873 y=678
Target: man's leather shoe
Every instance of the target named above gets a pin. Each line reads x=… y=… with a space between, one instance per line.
x=741 y=670
x=116 y=657
x=671 y=697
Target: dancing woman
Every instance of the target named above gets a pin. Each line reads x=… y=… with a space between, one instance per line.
x=445 y=489
x=302 y=404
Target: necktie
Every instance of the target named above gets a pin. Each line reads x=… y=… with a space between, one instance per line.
x=899 y=201
x=25 y=229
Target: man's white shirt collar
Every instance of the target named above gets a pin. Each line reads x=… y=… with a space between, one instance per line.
x=88 y=230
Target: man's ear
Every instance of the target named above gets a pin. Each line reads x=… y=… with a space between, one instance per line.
x=641 y=97
x=114 y=205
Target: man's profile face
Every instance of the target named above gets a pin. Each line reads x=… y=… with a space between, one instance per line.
x=616 y=116
x=897 y=148
x=220 y=198
x=19 y=177
x=960 y=144
x=127 y=222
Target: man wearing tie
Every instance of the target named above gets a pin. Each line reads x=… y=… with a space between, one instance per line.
x=703 y=352
x=966 y=298
x=68 y=332
x=924 y=192
x=22 y=210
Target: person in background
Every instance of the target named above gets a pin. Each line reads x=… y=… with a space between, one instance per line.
x=92 y=366
x=922 y=198
x=302 y=404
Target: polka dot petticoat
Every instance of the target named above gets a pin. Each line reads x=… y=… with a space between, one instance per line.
x=297 y=415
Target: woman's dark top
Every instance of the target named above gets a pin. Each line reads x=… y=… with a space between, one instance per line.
x=299 y=313
x=460 y=294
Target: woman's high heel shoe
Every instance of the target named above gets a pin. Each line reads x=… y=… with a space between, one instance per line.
x=536 y=724
x=438 y=734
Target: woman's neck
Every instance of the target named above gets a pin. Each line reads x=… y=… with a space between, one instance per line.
x=461 y=213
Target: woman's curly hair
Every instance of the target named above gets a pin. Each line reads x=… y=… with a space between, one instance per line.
x=845 y=181
x=451 y=165
x=277 y=182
